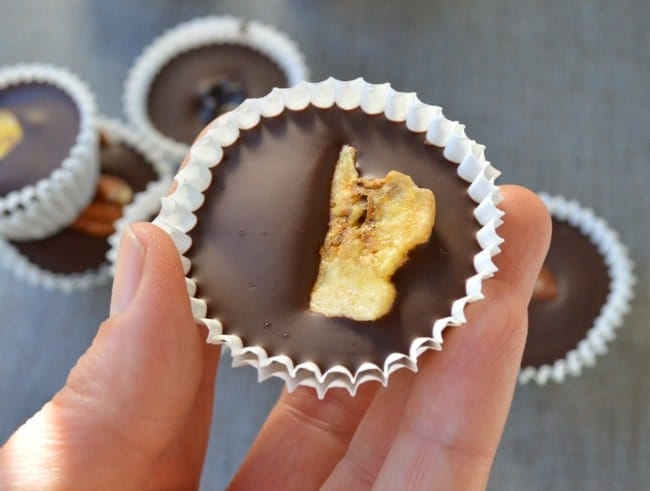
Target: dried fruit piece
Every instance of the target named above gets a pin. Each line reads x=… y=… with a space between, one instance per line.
x=373 y=225
x=11 y=132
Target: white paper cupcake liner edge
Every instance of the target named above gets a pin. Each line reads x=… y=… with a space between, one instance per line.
x=31 y=273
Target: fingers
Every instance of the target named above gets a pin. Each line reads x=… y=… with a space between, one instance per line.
x=408 y=431
x=302 y=439
x=130 y=395
x=370 y=444
x=182 y=464
x=527 y=233
x=438 y=429
x=454 y=417
x=416 y=413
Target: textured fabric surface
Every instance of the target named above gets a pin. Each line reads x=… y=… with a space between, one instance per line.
x=558 y=91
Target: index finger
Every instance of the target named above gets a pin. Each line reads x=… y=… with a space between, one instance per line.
x=454 y=416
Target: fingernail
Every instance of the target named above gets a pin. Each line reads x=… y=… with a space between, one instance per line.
x=128 y=270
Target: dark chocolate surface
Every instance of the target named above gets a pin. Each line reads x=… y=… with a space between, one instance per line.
x=71 y=251
x=255 y=250
x=50 y=124
x=556 y=326
x=176 y=102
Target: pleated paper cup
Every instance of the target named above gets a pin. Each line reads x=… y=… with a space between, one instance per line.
x=616 y=305
x=197 y=33
x=423 y=123
x=42 y=208
x=28 y=270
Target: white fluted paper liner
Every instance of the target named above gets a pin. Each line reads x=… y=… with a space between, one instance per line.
x=145 y=204
x=49 y=205
x=177 y=216
x=116 y=131
x=621 y=292
x=194 y=34
x=27 y=271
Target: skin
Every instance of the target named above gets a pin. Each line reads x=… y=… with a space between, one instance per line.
x=136 y=408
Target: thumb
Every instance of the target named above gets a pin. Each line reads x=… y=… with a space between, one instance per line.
x=129 y=396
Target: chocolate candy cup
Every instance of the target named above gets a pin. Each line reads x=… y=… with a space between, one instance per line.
x=203 y=67
x=249 y=229
x=72 y=260
x=594 y=280
x=50 y=175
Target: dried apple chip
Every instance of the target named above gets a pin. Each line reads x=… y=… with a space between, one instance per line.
x=373 y=225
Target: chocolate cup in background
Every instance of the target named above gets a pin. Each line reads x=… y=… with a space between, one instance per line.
x=250 y=240
x=49 y=173
x=201 y=68
x=589 y=278
x=73 y=259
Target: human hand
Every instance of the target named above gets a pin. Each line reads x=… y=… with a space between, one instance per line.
x=135 y=411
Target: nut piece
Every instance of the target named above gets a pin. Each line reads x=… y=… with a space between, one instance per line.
x=99 y=217
x=545 y=286
x=104 y=140
x=373 y=225
x=11 y=132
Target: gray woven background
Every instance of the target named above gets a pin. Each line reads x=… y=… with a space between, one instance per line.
x=558 y=91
